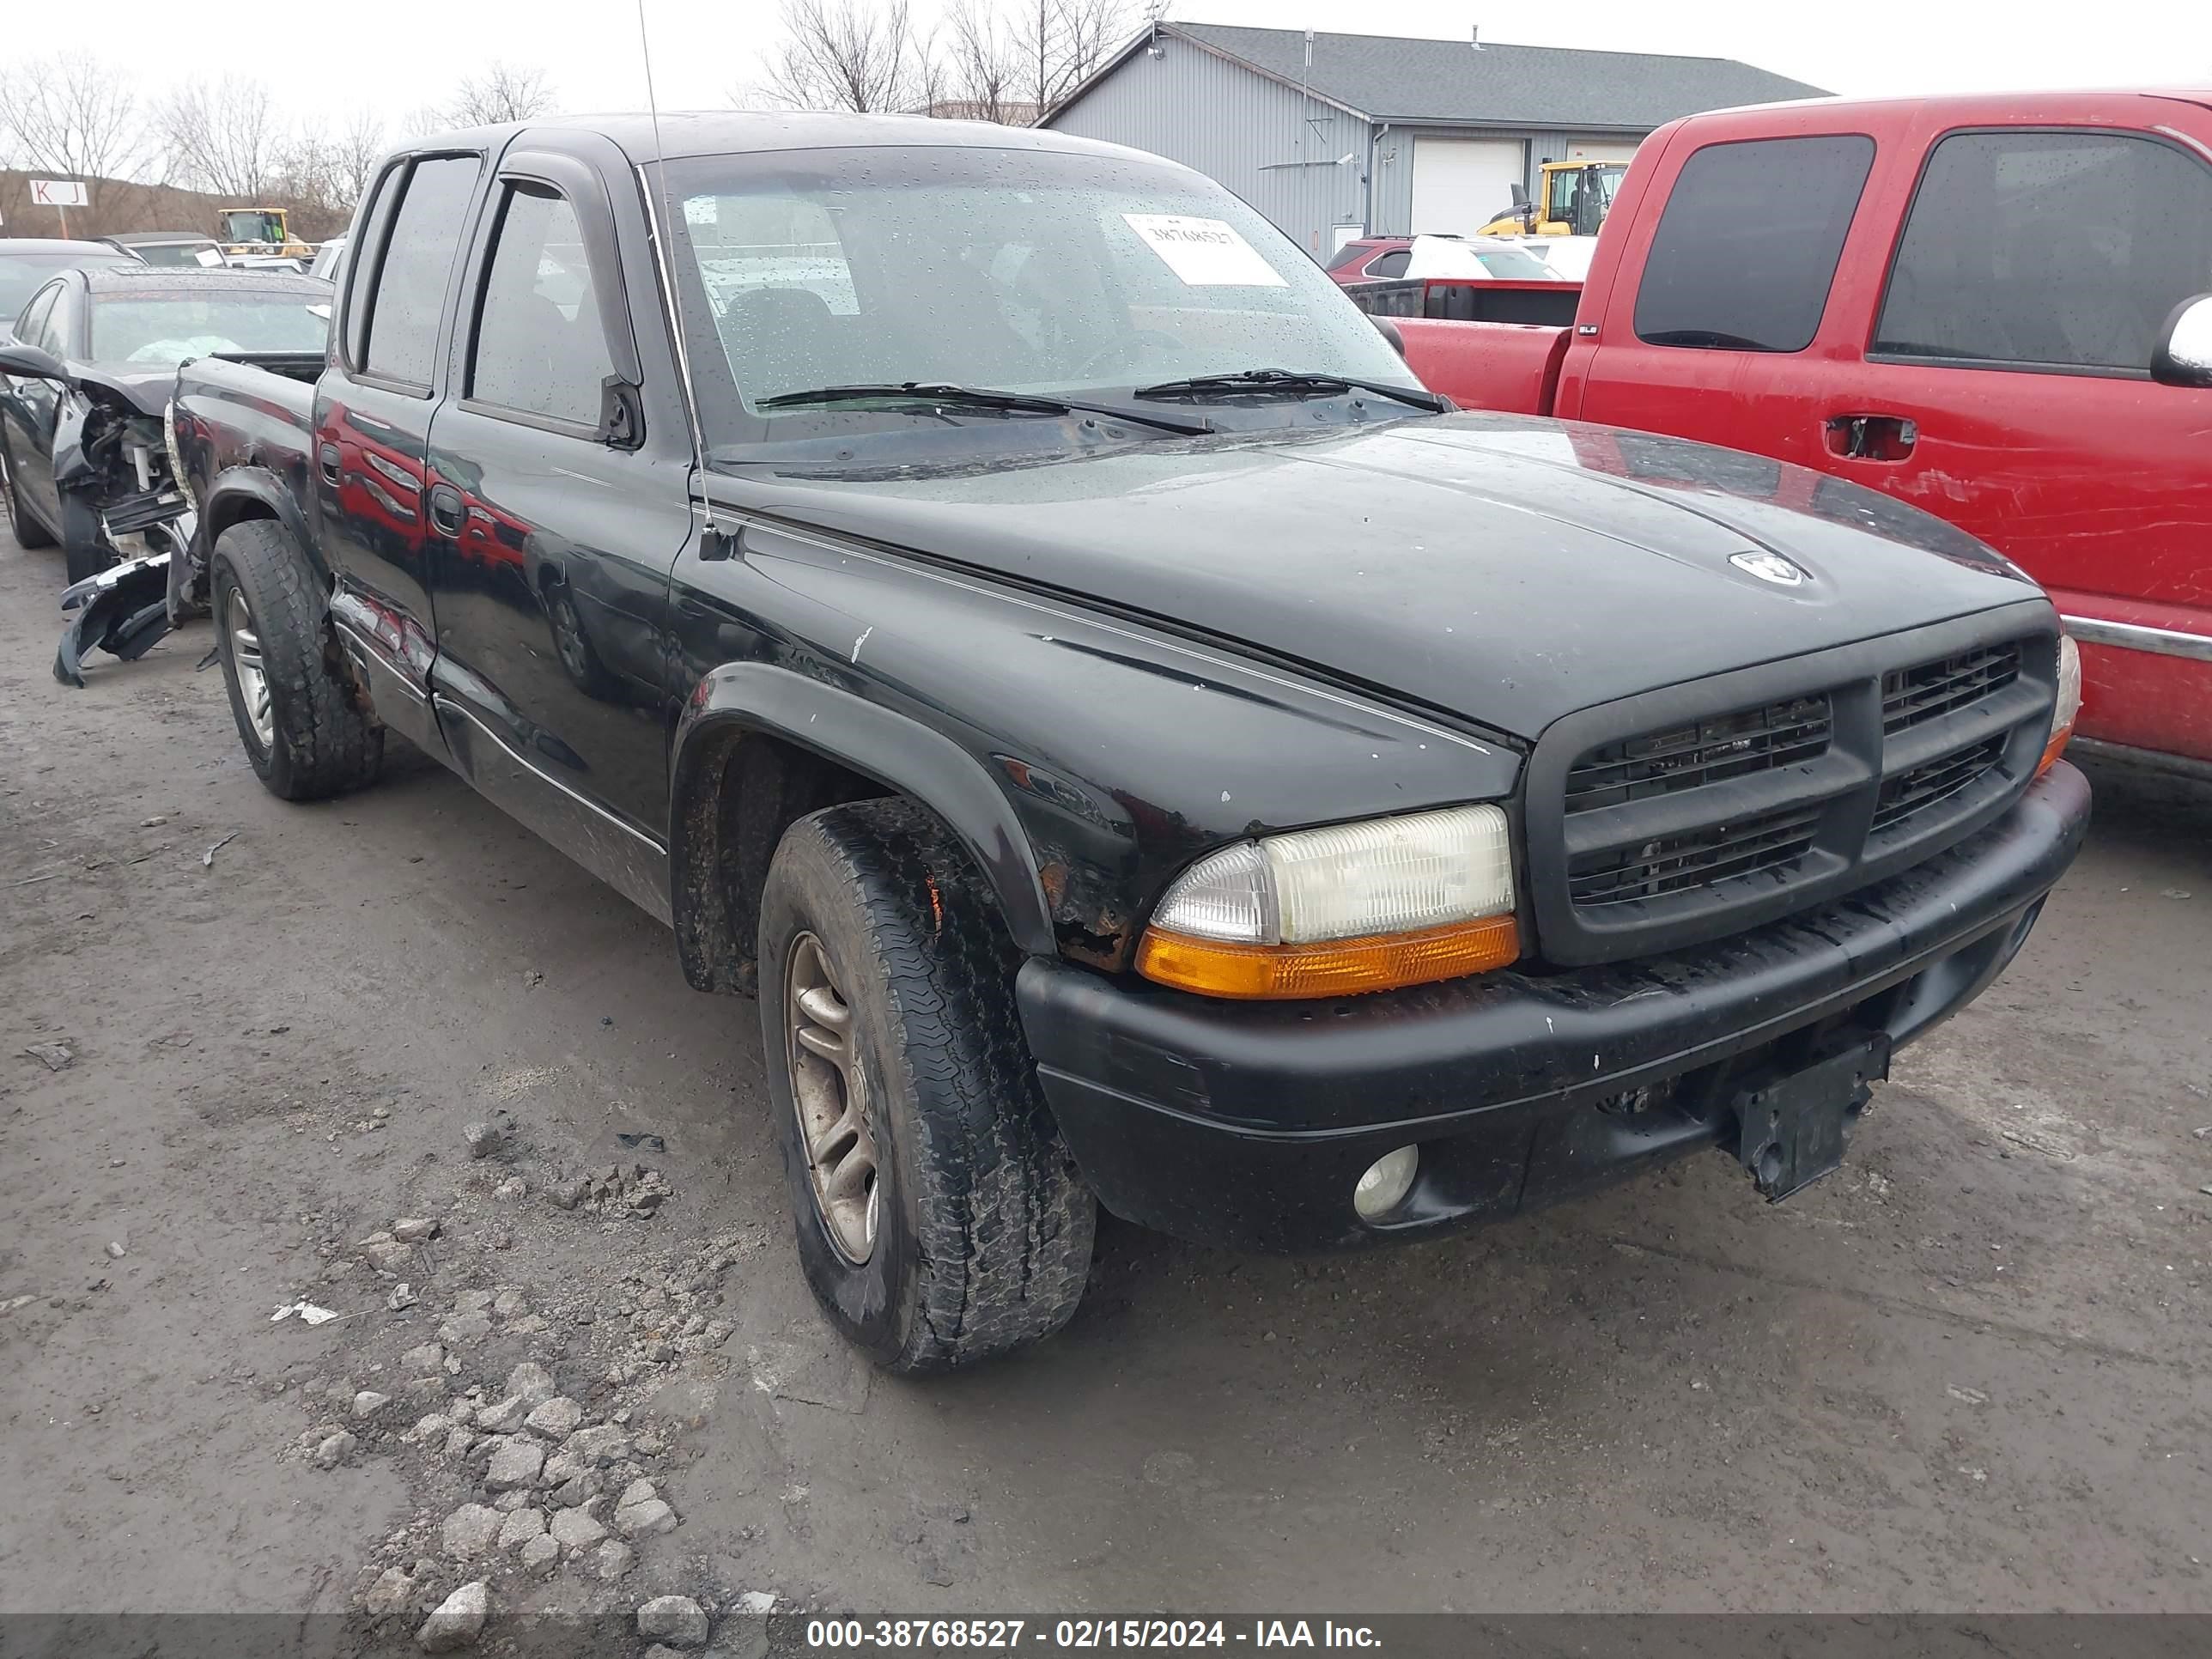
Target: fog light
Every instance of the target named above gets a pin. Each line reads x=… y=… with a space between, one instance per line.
x=1387 y=1179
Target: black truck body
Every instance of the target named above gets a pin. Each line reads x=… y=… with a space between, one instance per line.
x=1777 y=779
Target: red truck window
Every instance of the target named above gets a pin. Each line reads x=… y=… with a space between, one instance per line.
x=1748 y=243
x=2040 y=249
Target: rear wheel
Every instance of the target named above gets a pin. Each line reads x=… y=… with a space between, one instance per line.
x=940 y=1218
x=295 y=711
x=29 y=532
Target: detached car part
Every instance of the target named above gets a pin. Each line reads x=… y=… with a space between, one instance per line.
x=125 y=609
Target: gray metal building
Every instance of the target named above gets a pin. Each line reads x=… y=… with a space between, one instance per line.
x=1331 y=134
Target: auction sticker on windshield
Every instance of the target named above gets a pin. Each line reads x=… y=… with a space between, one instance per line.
x=1203 y=252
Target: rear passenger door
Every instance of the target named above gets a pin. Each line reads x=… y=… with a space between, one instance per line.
x=372 y=426
x=1717 y=338
x=555 y=517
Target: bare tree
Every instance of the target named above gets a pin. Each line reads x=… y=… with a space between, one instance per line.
x=358 y=148
x=222 y=136
x=1058 y=43
x=69 y=115
x=981 y=64
x=504 y=92
x=849 y=54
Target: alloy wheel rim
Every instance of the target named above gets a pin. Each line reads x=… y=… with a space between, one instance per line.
x=252 y=676
x=829 y=1092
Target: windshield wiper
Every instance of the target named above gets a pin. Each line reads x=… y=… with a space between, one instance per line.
x=977 y=397
x=1292 y=380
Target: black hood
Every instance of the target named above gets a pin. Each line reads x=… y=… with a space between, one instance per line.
x=1504 y=568
x=145 y=387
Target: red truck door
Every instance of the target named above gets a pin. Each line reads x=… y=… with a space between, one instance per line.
x=1968 y=329
x=2004 y=385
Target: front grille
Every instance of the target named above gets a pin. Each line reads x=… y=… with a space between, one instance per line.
x=1933 y=782
x=1704 y=751
x=1677 y=864
x=1932 y=689
x=1656 y=821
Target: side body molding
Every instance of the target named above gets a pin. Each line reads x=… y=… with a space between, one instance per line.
x=865 y=738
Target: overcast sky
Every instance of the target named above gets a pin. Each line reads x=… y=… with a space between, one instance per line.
x=400 y=54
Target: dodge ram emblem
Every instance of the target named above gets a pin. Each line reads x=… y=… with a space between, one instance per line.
x=1768 y=567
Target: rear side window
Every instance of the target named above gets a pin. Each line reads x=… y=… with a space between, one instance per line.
x=2048 y=250
x=1392 y=263
x=1748 y=244
x=411 y=287
x=539 y=346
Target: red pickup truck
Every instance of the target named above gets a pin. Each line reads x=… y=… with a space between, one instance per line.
x=1995 y=308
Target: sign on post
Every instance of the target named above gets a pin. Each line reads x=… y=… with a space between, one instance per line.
x=59 y=194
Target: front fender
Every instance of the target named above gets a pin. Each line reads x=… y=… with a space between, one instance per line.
x=238 y=493
x=880 y=743
x=71 y=465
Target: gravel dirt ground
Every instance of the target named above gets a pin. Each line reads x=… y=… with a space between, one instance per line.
x=1969 y=1372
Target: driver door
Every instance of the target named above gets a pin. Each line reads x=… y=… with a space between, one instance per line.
x=32 y=408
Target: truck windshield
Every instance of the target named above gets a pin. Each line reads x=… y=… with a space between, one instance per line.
x=168 y=330
x=252 y=225
x=1031 y=271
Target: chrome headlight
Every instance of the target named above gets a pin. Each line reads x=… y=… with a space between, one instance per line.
x=1354 y=907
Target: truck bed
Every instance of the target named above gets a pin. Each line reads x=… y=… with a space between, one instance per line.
x=259 y=415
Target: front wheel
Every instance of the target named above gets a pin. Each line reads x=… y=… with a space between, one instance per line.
x=303 y=730
x=940 y=1220
x=84 y=548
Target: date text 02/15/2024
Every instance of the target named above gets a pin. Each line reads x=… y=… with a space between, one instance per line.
x=836 y=1635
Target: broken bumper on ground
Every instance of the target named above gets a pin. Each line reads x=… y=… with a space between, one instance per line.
x=123 y=611
x=1247 y=1124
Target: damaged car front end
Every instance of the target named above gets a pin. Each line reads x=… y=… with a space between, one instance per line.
x=120 y=505
x=84 y=423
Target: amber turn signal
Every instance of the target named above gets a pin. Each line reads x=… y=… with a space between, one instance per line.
x=1342 y=967
x=2053 y=749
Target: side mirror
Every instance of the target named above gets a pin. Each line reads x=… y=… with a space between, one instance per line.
x=30 y=362
x=2183 y=356
x=1390 y=331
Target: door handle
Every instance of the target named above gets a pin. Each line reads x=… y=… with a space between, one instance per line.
x=1872 y=437
x=447 y=512
x=326 y=462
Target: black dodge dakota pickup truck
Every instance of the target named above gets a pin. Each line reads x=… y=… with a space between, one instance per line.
x=1005 y=609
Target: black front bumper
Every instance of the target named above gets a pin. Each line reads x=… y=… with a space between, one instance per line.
x=1247 y=1124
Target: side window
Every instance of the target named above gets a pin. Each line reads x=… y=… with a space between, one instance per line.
x=1392 y=263
x=411 y=286
x=539 y=345
x=1748 y=243
x=31 y=327
x=2062 y=249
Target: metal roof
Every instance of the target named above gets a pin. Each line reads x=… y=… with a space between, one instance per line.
x=1389 y=79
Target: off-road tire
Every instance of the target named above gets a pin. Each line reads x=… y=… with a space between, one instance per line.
x=324 y=743
x=29 y=532
x=983 y=1243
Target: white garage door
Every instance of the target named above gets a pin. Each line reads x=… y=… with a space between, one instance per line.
x=1460 y=184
